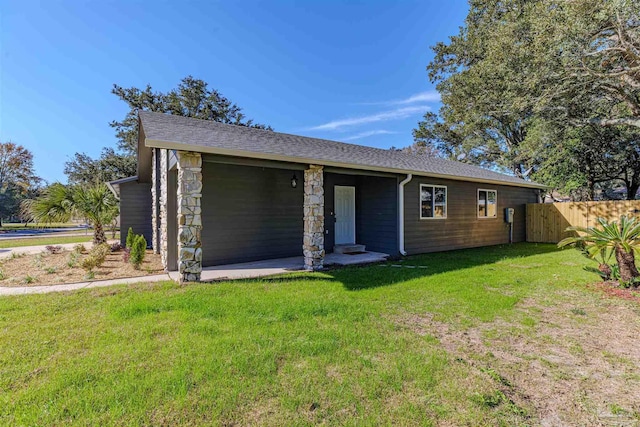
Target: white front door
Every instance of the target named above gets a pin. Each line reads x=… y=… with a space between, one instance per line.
x=345 y=211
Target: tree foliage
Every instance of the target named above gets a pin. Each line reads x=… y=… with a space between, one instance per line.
x=111 y=165
x=17 y=178
x=542 y=89
x=192 y=98
x=623 y=238
x=59 y=203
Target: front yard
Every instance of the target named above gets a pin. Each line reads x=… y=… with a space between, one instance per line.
x=492 y=336
x=65 y=266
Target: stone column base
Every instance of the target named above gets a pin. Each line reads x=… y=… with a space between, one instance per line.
x=313 y=239
x=189 y=216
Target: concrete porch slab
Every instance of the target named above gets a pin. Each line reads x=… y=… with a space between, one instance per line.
x=354 y=259
x=270 y=267
x=247 y=270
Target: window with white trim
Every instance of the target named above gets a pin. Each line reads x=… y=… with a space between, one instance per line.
x=487 y=203
x=433 y=201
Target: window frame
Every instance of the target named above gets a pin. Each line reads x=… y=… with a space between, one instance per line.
x=486 y=190
x=433 y=205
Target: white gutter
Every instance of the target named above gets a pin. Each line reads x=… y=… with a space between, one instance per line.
x=401 y=212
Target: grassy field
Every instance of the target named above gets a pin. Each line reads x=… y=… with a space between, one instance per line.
x=50 y=240
x=377 y=345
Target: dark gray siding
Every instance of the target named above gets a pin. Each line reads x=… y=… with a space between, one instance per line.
x=135 y=210
x=462 y=228
x=376 y=211
x=250 y=213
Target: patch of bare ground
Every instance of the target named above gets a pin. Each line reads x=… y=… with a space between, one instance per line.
x=52 y=269
x=569 y=359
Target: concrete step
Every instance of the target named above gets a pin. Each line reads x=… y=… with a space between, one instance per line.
x=348 y=249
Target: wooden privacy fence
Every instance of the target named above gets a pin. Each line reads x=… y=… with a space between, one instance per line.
x=546 y=222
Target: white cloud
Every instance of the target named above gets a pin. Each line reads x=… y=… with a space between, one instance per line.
x=428 y=96
x=367 y=134
x=398 y=113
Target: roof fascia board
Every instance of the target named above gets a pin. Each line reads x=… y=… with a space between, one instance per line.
x=244 y=161
x=283 y=158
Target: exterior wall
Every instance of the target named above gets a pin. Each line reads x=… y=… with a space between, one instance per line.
x=377 y=214
x=376 y=211
x=462 y=228
x=135 y=210
x=250 y=213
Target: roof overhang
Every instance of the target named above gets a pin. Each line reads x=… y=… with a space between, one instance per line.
x=170 y=145
x=114 y=186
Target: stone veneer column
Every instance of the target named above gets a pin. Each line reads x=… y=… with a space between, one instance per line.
x=189 y=215
x=163 y=244
x=154 y=204
x=313 y=240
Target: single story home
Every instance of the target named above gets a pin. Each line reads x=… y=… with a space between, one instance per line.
x=211 y=193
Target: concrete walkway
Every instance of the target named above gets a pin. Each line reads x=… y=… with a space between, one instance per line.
x=25 y=290
x=6 y=252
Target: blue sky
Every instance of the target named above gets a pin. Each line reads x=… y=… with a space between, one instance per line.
x=348 y=71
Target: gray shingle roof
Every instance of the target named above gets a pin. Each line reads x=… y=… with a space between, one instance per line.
x=183 y=133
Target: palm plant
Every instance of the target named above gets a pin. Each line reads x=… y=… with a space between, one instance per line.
x=621 y=238
x=59 y=203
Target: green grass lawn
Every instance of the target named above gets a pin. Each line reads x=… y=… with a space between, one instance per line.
x=301 y=349
x=50 y=240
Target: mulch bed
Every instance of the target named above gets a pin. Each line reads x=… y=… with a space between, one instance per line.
x=53 y=269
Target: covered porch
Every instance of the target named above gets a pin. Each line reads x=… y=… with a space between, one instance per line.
x=221 y=216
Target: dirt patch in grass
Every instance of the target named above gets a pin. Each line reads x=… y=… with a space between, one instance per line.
x=569 y=362
x=52 y=269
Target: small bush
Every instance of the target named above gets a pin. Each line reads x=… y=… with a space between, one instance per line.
x=126 y=254
x=1 y=274
x=50 y=270
x=89 y=262
x=90 y=275
x=29 y=279
x=79 y=248
x=96 y=256
x=130 y=238
x=53 y=249
x=116 y=247
x=138 y=251
x=72 y=261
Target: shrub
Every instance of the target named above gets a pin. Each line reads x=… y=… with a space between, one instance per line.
x=96 y=256
x=73 y=259
x=89 y=262
x=126 y=254
x=50 y=270
x=138 y=251
x=79 y=248
x=116 y=247
x=101 y=251
x=1 y=274
x=53 y=249
x=29 y=279
x=130 y=238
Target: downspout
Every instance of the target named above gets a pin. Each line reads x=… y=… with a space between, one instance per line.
x=401 y=212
